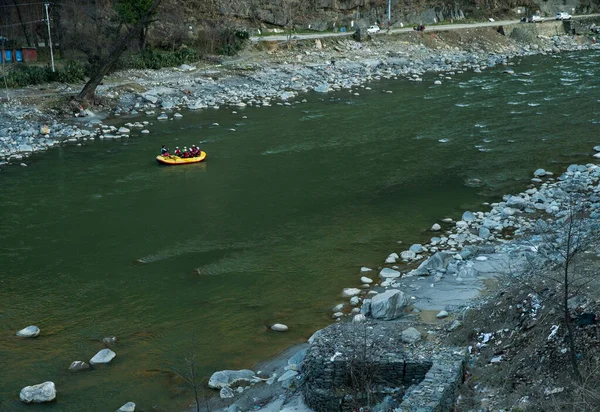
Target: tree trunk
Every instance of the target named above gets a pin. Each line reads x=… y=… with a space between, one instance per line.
x=23 y=26
x=89 y=90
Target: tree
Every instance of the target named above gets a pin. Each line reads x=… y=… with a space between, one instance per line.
x=559 y=262
x=144 y=18
x=131 y=12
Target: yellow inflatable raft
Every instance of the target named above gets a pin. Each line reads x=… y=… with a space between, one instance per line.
x=176 y=160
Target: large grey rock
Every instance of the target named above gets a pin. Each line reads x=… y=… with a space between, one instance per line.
x=29 y=332
x=468 y=217
x=437 y=262
x=226 y=392
x=128 y=407
x=408 y=255
x=387 y=273
x=388 y=305
x=417 y=248
x=103 y=356
x=411 y=335
x=224 y=378
x=44 y=392
x=516 y=202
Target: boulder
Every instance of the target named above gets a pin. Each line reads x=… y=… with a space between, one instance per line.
x=539 y=173
x=103 y=356
x=408 y=255
x=437 y=262
x=123 y=130
x=29 y=332
x=417 y=248
x=468 y=216
x=279 y=327
x=442 y=314
x=359 y=318
x=78 y=365
x=391 y=258
x=128 y=407
x=387 y=273
x=411 y=336
x=364 y=279
x=226 y=392
x=44 y=392
x=349 y=292
x=225 y=378
x=388 y=305
x=436 y=227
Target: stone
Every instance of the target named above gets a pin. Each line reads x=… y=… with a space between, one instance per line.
x=349 y=292
x=388 y=305
x=442 y=314
x=279 y=327
x=411 y=336
x=484 y=232
x=110 y=340
x=178 y=115
x=163 y=116
x=103 y=356
x=359 y=318
x=437 y=262
x=287 y=375
x=226 y=378
x=454 y=325
x=436 y=227
x=355 y=300
x=145 y=131
x=437 y=82
x=337 y=315
x=539 y=173
x=387 y=273
x=468 y=216
x=29 y=332
x=77 y=366
x=391 y=258
x=226 y=393
x=417 y=248
x=44 y=392
x=296 y=362
x=128 y=407
x=364 y=279
x=365 y=269
x=123 y=130
x=408 y=255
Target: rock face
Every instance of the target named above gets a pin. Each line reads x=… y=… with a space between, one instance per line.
x=29 y=332
x=388 y=305
x=225 y=378
x=44 y=392
x=103 y=356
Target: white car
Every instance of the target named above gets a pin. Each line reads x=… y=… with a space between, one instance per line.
x=373 y=29
x=535 y=19
x=563 y=16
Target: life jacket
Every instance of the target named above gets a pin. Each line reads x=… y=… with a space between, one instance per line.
x=177 y=152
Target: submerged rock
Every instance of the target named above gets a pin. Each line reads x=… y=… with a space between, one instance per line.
x=77 y=366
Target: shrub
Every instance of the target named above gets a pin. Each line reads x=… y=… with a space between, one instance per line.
x=154 y=59
x=22 y=75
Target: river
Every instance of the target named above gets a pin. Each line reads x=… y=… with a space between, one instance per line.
x=100 y=241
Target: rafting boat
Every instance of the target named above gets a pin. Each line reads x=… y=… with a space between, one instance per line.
x=176 y=160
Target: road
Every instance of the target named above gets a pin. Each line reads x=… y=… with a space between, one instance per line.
x=442 y=27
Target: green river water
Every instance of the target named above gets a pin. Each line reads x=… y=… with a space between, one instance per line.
x=99 y=240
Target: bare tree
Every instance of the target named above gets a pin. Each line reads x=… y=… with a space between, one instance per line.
x=145 y=17
x=559 y=262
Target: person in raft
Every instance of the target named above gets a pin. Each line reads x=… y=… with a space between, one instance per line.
x=186 y=153
x=177 y=151
x=164 y=151
x=195 y=151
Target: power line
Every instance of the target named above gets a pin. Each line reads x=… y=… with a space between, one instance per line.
x=24 y=4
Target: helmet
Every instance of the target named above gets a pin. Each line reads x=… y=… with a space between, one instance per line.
x=193 y=145
x=184 y=148
x=176 y=147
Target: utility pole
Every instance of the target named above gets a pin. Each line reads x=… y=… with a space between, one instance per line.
x=389 y=13
x=49 y=36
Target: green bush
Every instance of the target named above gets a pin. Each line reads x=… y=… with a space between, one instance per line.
x=154 y=59
x=232 y=41
x=21 y=75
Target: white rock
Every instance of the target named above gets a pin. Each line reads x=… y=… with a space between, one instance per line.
x=123 y=130
x=178 y=115
x=442 y=314
x=145 y=131
x=411 y=335
x=279 y=327
x=163 y=116
x=408 y=255
x=436 y=227
x=349 y=292
x=103 y=356
x=437 y=82
x=388 y=305
x=128 y=407
x=77 y=366
x=226 y=378
x=365 y=269
x=44 y=392
x=387 y=273
x=391 y=258
x=359 y=318
x=355 y=300
x=226 y=393
x=29 y=332
x=364 y=279
x=337 y=315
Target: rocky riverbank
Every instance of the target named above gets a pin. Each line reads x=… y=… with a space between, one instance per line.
x=265 y=74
